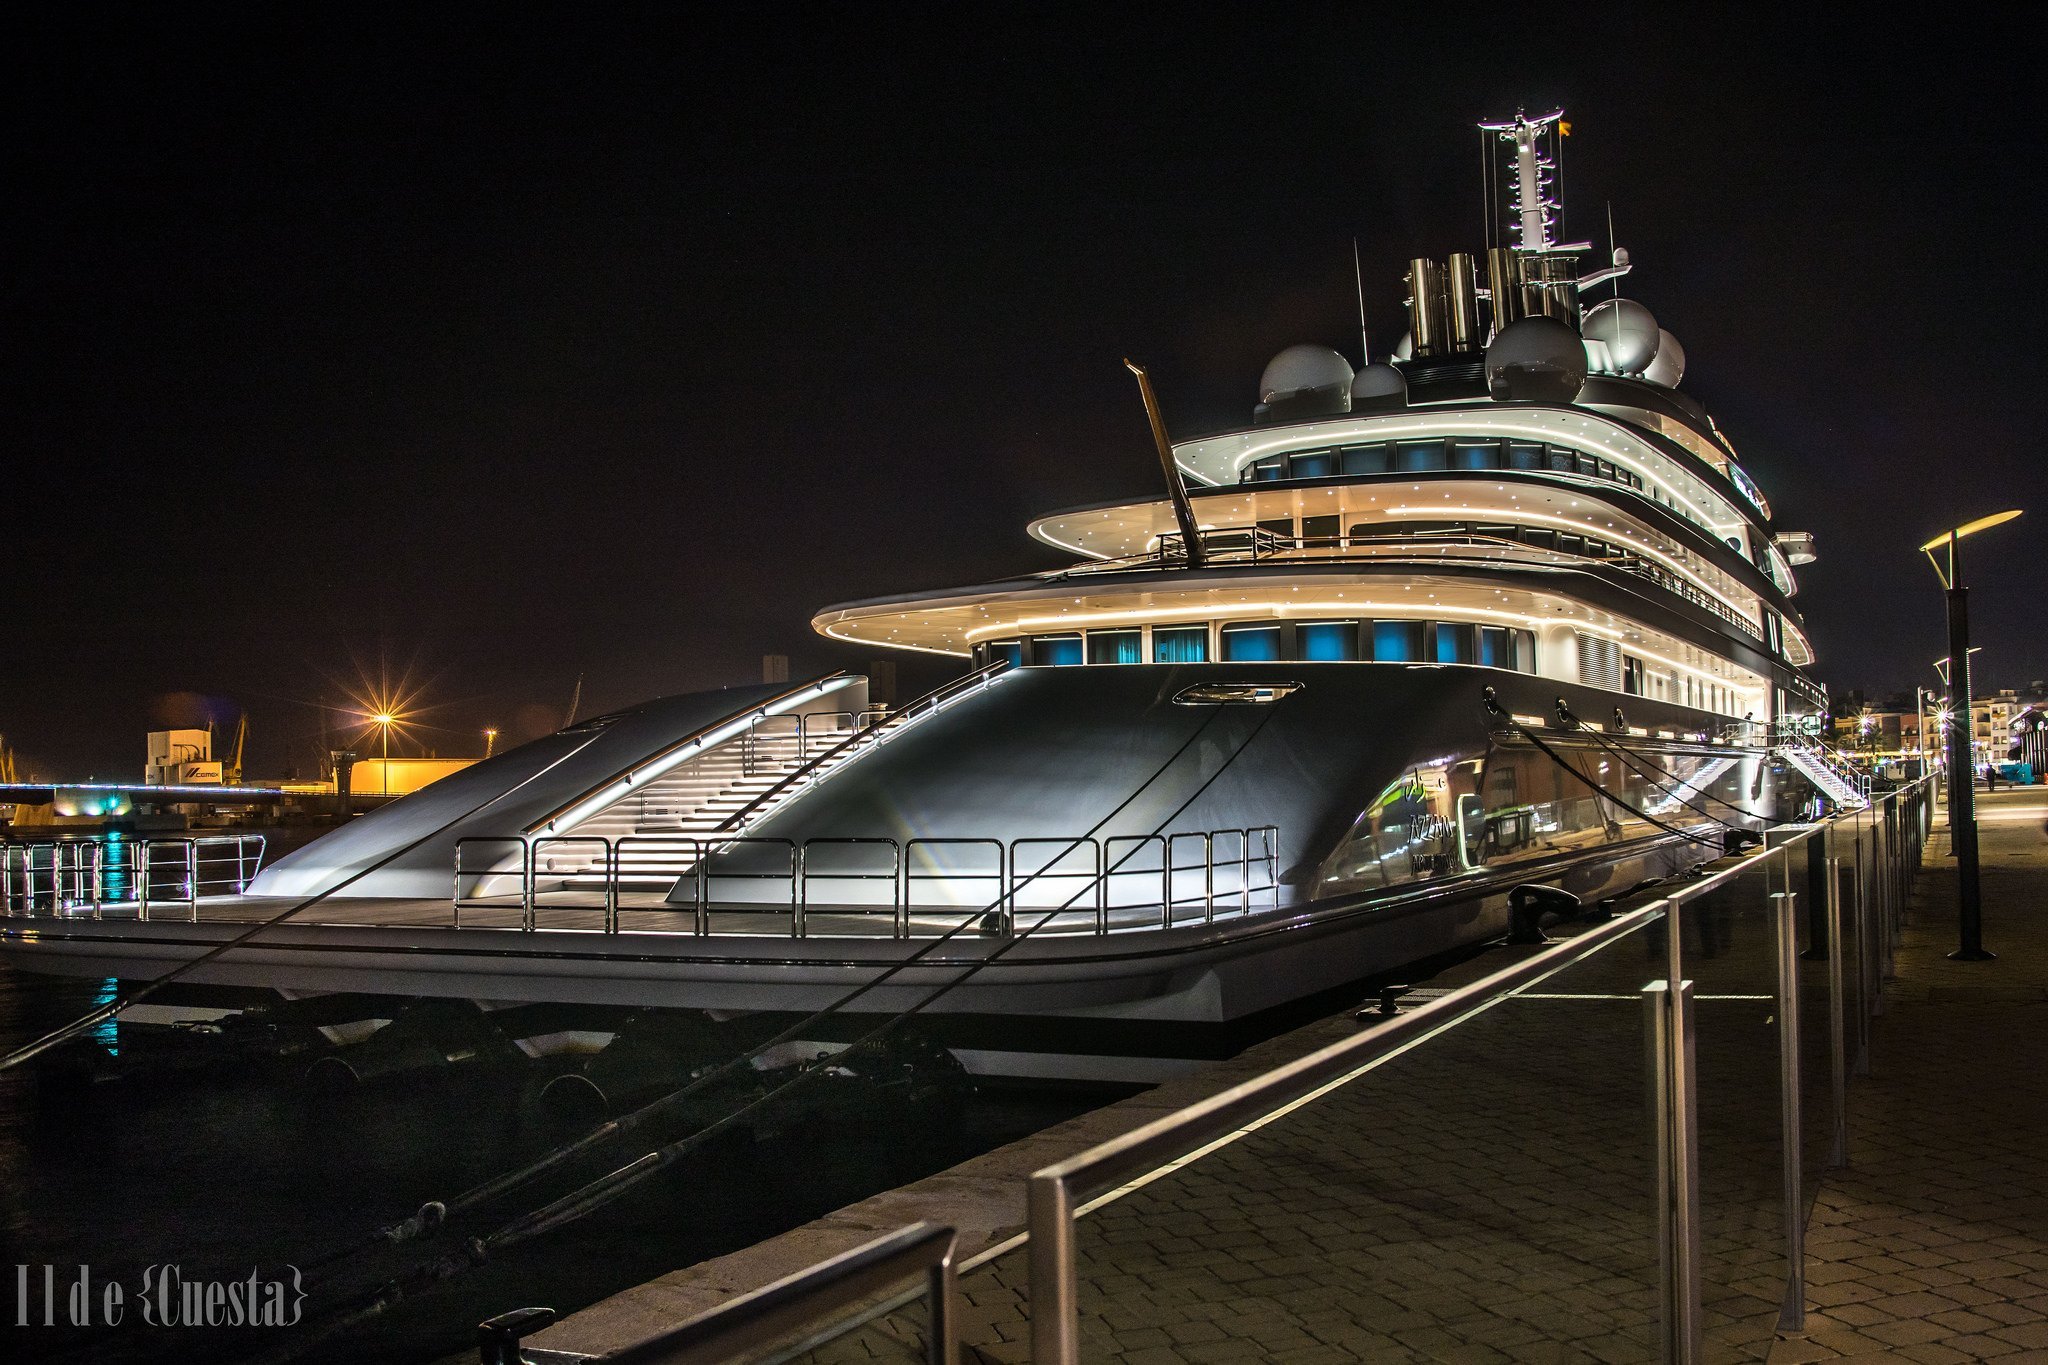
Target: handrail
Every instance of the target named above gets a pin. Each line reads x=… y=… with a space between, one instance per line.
x=691 y=863
x=1055 y=1193
x=931 y=701
x=750 y=1324
x=758 y=711
x=80 y=875
x=1254 y=545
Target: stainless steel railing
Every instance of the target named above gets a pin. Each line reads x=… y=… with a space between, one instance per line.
x=1102 y=882
x=91 y=877
x=752 y=1325
x=1058 y=1194
x=1250 y=544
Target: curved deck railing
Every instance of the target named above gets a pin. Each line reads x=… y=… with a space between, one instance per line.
x=1255 y=545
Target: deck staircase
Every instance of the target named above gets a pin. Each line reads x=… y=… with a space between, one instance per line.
x=1835 y=776
x=657 y=833
x=664 y=822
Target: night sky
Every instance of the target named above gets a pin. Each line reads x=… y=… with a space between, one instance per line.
x=498 y=345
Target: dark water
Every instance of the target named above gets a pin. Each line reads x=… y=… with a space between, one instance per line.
x=137 y=1151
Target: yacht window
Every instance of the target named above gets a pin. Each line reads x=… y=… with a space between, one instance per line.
x=1114 y=647
x=1397 y=641
x=1326 y=529
x=1522 y=456
x=1525 y=651
x=1056 y=649
x=1416 y=457
x=1180 y=644
x=1563 y=461
x=1454 y=644
x=1470 y=455
x=1312 y=464
x=1542 y=537
x=1234 y=694
x=1370 y=459
x=1282 y=527
x=1266 y=470
x=1251 y=644
x=1010 y=652
x=1496 y=646
x=1632 y=674
x=1328 y=641
x=1570 y=543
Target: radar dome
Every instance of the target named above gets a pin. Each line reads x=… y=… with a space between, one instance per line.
x=1303 y=369
x=1536 y=359
x=1669 y=366
x=1629 y=331
x=1379 y=385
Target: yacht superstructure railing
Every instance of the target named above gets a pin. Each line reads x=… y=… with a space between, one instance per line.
x=1257 y=545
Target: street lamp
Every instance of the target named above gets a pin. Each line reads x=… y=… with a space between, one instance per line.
x=490 y=742
x=384 y=720
x=1962 y=794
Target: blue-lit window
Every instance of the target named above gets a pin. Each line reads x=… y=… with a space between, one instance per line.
x=1114 y=647
x=1312 y=464
x=1328 y=641
x=1370 y=459
x=1521 y=456
x=1180 y=644
x=1475 y=455
x=1267 y=470
x=1056 y=649
x=1496 y=647
x=1418 y=457
x=1454 y=644
x=1251 y=644
x=1397 y=641
x=1006 y=651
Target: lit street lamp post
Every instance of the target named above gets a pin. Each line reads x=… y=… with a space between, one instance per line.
x=1962 y=792
x=384 y=720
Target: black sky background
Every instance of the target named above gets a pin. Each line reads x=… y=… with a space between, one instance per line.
x=490 y=346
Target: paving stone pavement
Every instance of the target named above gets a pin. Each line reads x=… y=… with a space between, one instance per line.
x=1484 y=1197
x=1932 y=1244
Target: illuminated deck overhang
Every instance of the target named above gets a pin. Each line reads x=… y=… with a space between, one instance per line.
x=954 y=622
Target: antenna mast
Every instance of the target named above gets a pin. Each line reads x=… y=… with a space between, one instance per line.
x=1358 y=274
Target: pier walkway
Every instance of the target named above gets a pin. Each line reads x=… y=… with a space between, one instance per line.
x=1483 y=1193
x=1932 y=1244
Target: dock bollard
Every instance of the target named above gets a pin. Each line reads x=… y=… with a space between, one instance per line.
x=497 y=1339
x=1529 y=903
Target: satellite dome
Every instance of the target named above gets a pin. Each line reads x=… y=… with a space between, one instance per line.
x=1629 y=331
x=1669 y=366
x=1379 y=385
x=1303 y=369
x=1536 y=359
